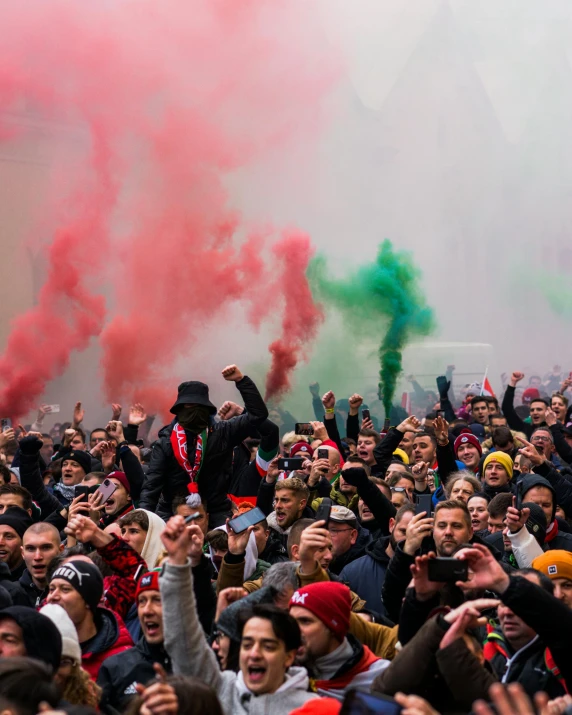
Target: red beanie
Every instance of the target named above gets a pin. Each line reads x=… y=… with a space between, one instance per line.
x=465 y=437
x=148 y=582
x=330 y=602
x=121 y=477
x=531 y=393
x=302 y=447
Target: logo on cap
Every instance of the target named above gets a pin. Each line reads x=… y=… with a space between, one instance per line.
x=465 y=439
x=299 y=598
x=552 y=570
x=146 y=580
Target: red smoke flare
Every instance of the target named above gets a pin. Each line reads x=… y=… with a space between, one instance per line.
x=171 y=97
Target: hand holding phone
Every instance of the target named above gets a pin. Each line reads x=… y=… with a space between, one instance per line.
x=446 y=569
x=249 y=518
x=106 y=489
x=290 y=464
x=323 y=512
x=304 y=428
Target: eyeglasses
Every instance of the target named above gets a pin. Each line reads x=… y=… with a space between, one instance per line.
x=538 y=438
x=339 y=531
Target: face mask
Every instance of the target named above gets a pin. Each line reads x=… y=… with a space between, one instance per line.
x=195 y=417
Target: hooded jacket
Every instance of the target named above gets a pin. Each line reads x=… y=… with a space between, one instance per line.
x=192 y=656
x=366 y=575
x=153 y=546
x=112 y=637
x=554 y=538
x=35 y=595
x=167 y=479
x=120 y=673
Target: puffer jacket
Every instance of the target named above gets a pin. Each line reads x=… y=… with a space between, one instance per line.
x=167 y=479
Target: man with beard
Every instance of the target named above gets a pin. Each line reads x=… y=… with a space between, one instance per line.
x=366 y=575
x=334 y=658
x=291 y=504
x=193 y=453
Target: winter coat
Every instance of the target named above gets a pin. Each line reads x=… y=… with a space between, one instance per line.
x=112 y=637
x=247 y=472
x=353 y=553
x=34 y=594
x=14 y=588
x=192 y=656
x=120 y=673
x=451 y=678
x=167 y=479
x=366 y=575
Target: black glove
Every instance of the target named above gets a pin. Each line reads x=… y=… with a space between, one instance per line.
x=443 y=386
x=355 y=476
x=30 y=445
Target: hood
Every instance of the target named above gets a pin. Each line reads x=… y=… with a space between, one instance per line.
x=106 y=636
x=153 y=546
x=535 y=480
x=376 y=549
x=296 y=679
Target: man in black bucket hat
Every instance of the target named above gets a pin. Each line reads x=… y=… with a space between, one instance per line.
x=193 y=454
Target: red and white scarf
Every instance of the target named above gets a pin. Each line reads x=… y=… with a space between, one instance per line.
x=179 y=445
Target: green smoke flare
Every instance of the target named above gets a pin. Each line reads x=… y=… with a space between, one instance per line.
x=384 y=296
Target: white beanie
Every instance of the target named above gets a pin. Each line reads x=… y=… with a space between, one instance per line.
x=64 y=624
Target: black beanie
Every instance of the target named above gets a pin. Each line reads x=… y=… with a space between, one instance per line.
x=85 y=578
x=536 y=522
x=17 y=518
x=41 y=637
x=81 y=457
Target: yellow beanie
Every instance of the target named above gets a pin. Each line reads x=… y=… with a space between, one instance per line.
x=502 y=458
x=555 y=564
x=402 y=455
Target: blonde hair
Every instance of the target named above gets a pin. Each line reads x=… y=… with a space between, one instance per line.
x=291 y=438
x=80 y=688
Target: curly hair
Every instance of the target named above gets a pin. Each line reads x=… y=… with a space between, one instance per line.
x=80 y=688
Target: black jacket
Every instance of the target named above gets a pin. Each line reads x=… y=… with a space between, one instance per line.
x=353 y=553
x=34 y=594
x=514 y=421
x=245 y=478
x=120 y=673
x=17 y=594
x=168 y=479
x=365 y=576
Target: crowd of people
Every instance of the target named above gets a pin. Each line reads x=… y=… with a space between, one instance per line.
x=237 y=561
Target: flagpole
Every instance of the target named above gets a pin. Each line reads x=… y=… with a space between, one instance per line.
x=483 y=382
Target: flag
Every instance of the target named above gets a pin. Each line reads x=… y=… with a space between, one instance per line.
x=487 y=388
x=406 y=402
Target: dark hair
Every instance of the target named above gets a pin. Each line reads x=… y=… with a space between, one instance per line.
x=540 y=399
x=57 y=561
x=100 y=429
x=98 y=475
x=284 y=625
x=179 y=500
x=354 y=459
x=193 y=696
x=5 y=473
x=45 y=435
x=402 y=511
x=80 y=432
x=497 y=416
x=350 y=442
x=295 y=532
x=370 y=433
x=137 y=516
x=543 y=580
x=478 y=398
x=398 y=476
x=385 y=488
x=27 y=682
x=217 y=539
x=18 y=491
x=502 y=436
x=428 y=435
x=499 y=504
x=250 y=443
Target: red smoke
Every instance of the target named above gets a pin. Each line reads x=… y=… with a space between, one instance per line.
x=168 y=99
x=302 y=317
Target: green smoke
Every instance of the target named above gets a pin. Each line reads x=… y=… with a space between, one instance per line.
x=383 y=296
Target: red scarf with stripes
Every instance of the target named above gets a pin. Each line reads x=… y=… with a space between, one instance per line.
x=179 y=445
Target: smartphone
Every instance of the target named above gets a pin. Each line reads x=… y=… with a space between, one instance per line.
x=518 y=502
x=365 y=415
x=106 y=489
x=440 y=413
x=249 y=518
x=192 y=517
x=323 y=453
x=54 y=408
x=304 y=428
x=6 y=423
x=290 y=464
x=386 y=423
x=446 y=569
x=83 y=491
x=424 y=503
x=324 y=510
x=358 y=702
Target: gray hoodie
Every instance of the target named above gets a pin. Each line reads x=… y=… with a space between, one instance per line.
x=192 y=656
